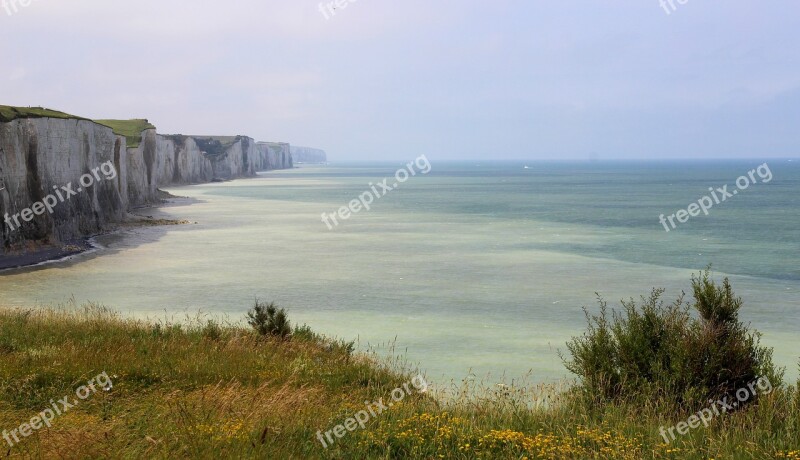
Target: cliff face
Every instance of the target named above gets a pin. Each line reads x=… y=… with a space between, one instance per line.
x=39 y=156
x=161 y=160
x=308 y=155
x=275 y=155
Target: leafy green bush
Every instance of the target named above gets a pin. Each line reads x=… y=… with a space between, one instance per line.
x=268 y=320
x=727 y=356
x=662 y=352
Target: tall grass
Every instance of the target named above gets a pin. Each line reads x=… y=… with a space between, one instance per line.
x=209 y=389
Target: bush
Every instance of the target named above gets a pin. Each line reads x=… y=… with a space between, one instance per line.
x=212 y=331
x=663 y=353
x=727 y=355
x=268 y=320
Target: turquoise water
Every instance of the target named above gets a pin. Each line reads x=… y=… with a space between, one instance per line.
x=472 y=269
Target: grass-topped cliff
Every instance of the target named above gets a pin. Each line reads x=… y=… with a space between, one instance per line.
x=9 y=113
x=131 y=129
x=201 y=389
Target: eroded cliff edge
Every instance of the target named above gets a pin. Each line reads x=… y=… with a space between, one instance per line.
x=40 y=152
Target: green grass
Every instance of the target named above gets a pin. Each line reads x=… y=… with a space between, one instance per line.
x=131 y=129
x=9 y=113
x=201 y=389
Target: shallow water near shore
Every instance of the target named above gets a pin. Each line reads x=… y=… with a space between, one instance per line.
x=467 y=271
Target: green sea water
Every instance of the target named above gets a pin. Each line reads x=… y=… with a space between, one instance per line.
x=473 y=270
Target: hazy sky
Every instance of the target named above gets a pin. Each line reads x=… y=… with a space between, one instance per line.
x=453 y=79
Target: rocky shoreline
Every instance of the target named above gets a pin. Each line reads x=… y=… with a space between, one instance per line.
x=44 y=254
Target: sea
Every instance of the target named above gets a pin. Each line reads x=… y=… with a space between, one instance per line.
x=475 y=270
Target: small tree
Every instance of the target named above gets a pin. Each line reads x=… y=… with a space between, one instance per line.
x=268 y=320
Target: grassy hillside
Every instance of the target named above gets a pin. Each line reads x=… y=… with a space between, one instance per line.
x=131 y=129
x=207 y=390
x=9 y=113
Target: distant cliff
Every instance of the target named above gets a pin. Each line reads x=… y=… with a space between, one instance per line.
x=41 y=151
x=161 y=160
x=308 y=155
x=276 y=155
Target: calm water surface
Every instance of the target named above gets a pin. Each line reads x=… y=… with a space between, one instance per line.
x=473 y=269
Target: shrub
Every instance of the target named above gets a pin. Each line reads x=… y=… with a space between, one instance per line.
x=212 y=331
x=662 y=352
x=727 y=356
x=268 y=320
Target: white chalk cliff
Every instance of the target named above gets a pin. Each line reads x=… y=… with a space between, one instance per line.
x=39 y=155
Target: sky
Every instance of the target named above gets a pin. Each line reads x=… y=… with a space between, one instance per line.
x=390 y=80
